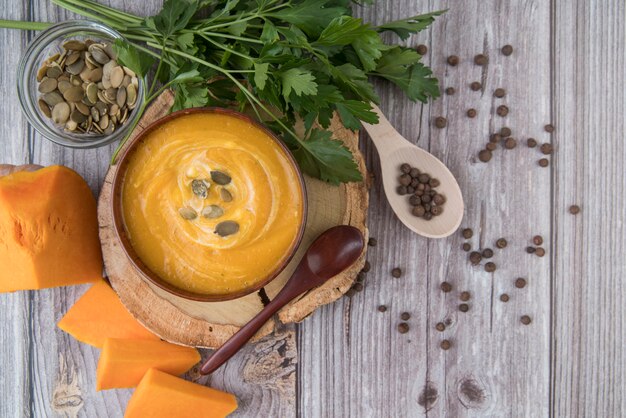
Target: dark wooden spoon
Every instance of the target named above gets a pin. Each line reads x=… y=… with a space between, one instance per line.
x=331 y=253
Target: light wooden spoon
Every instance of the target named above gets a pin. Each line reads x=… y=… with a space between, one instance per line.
x=394 y=150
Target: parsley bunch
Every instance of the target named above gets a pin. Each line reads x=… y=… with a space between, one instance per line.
x=288 y=60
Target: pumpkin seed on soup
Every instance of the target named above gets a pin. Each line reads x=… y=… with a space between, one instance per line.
x=226 y=228
x=187 y=213
x=220 y=178
x=200 y=188
x=212 y=212
x=226 y=195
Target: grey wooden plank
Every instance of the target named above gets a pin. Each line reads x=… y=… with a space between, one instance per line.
x=589 y=371
x=353 y=361
x=15 y=308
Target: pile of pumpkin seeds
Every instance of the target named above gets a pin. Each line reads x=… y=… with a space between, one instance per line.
x=84 y=89
x=200 y=188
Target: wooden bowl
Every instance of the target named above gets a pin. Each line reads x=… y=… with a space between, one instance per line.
x=118 y=218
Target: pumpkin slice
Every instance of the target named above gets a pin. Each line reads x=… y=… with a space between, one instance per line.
x=98 y=315
x=123 y=363
x=160 y=395
x=48 y=229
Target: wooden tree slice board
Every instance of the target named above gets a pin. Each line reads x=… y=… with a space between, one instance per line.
x=210 y=324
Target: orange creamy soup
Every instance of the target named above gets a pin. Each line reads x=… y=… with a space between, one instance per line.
x=211 y=203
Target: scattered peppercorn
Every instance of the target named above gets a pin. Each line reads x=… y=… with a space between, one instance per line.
x=501 y=243
x=358 y=287
x=490 y=146
x=422 y=49
x=351 y=292
x=481 y=59
x=530 y=250
x=525 y=320
x=463 y=307
x=574 y=209
x=403 y=327
x=495 y=138
x=372 y=242
x=465 y=296
x=485 y=155
x=475 y=86
x=405 y=168
x=360 y=277
x=537 y=240
x=549 y=128
x=546 y=148
x=396 y=272
x=504 y=297
x=468 y=233
x=520 y=283
x=507 y=50
x=510 y=143
x=540 y=252
x=490 y=267
x=466 y=246
x=471 y=113
x=502 y=110
x=405 y=316
x=366 y=267
x=505 y=132
x=446 y=287
x=543 y=162
x=475 y=257
x=499 y=93
x=445 y=345
x=531 y=142
x=487 y=253
x=450 y=91
x=440 y=326
x=441 y=122
x=382 y=308
x=453 y=60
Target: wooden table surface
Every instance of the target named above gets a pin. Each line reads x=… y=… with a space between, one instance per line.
x=348 y=360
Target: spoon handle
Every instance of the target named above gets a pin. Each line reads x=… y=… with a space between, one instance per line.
x=301 y=281
x=383 y=134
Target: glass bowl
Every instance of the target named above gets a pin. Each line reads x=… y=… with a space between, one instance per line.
x=46 y=44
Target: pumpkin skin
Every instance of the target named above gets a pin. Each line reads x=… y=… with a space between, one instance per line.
x=48 y=229
x=124 y=362
x=160 y=395
x=99 y=314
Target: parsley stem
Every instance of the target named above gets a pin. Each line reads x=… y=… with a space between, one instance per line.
x=103 y=10
x=225 y=48
x=66 y=5
x=17 y=24
x=224 y=35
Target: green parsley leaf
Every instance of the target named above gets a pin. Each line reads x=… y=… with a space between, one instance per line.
x=352 y=112
x=327 y=159
x=133 y=58
x=355 y=80
x=417 y=82
x=309 y=15
x=174 y=16
x=260 y=74
x=299 y=81
x=405 y=27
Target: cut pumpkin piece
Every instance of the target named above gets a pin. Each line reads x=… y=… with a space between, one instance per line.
x=98 y=315
x=48 y=229
x=123 y=363
x=160 y=395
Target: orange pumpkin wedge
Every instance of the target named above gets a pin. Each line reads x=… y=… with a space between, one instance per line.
x=98 y=315
x=123 y=362
x=48 y=229
x=160 y=395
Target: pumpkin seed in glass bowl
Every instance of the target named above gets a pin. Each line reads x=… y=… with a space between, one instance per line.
x=72 y=67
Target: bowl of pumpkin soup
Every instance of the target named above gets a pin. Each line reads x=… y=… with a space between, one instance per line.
x=208 y=204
